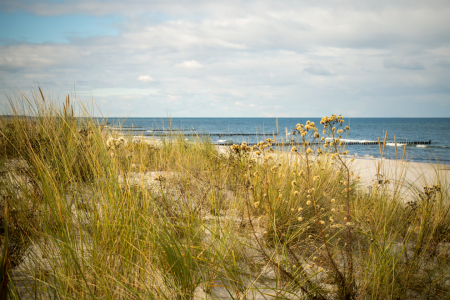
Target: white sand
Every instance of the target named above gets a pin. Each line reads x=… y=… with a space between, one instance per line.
x=418 y=174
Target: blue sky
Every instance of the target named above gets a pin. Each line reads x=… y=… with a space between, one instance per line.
x=233 y=58
x=25 y=27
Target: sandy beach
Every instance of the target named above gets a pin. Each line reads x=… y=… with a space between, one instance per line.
x=401 y=172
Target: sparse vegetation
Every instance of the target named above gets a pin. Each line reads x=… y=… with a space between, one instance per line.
x=88 y=214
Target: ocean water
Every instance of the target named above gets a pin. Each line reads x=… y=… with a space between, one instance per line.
x=253 y=130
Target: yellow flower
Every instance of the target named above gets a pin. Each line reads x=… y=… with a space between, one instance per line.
x=300 y=219
x=333 y=200
x=300 y=209
x=256 y=204
x=340 y=131
x=322 y=222
x=294 y=149
x=295 y=193
x=308 y=202
x=333 y=210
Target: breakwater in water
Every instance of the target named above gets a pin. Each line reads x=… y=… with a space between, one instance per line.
x=362 y=140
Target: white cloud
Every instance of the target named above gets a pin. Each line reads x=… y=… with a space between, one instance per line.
x=318 y=70
x=146 y=78
x=211 y=54
x=191 y=64
x=403 y=64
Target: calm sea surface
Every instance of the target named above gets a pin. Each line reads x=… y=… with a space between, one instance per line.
x=362 y=129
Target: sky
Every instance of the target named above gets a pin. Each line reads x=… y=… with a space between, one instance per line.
x=251 y=58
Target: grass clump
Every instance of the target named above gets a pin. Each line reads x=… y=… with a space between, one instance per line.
x=86 y=213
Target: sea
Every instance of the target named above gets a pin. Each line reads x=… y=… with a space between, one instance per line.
x=436 y=131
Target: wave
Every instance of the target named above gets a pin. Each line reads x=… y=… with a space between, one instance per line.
x=393 y=144
x=352 y=141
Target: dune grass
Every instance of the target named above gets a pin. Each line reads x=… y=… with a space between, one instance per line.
x=86 y=213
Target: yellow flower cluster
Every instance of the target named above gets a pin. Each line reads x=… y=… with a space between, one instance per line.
x=333 y=118
x=113 y=143
x=242 y=147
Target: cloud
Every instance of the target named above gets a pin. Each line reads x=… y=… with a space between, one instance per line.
x=320 y=71
x=443 y=63
x=210 y=54
x=146 y=78
x=403 y=64
x=191 y=64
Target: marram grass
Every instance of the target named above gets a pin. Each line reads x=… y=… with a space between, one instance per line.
x=87 y=214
